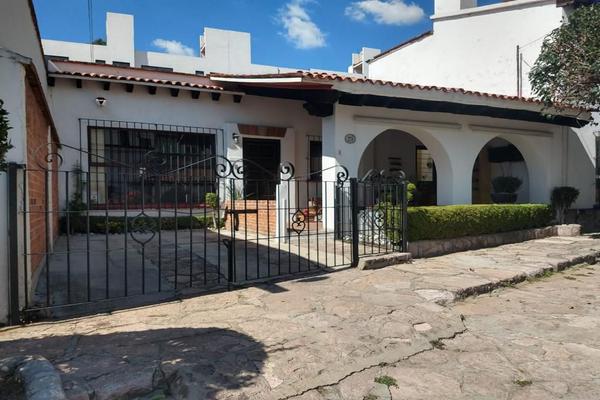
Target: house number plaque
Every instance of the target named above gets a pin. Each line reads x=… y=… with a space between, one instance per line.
x=350 y=138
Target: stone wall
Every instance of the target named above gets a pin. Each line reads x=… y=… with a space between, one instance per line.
x=433 y=248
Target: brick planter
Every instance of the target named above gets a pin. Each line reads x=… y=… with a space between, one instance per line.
x=252 y=216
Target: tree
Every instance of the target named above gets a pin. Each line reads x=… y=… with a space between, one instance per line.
x=99 y=41
x=4 y=142
x=567 y=72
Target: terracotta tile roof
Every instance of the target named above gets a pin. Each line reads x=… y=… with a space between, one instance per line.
x=132 y=74
x=332 y=77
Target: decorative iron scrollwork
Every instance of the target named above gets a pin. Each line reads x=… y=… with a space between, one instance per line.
x=378 y=218
x=142 y=228
x=341 y=176
x=223 y=167
x=47 y=153
x=379 y=176
x=287 y=171
x=238 y=169
x=298 y=222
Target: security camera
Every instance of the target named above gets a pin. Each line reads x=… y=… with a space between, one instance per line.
x=101 y=101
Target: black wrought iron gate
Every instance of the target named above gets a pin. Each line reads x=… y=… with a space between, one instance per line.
x=87 y=237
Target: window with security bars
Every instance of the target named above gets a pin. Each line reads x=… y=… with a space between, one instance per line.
x=178 y=167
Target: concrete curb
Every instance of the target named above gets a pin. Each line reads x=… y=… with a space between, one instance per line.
x=383 y=260
x=461 y=294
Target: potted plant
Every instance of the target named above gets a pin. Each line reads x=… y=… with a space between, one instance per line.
x=562 y=198
x=505 y=189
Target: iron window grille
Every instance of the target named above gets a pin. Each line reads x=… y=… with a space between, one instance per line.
x=172 y=157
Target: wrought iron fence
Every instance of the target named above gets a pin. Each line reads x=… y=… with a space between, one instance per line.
x=173 y=239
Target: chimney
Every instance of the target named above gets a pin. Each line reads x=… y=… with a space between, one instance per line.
x=451 y=6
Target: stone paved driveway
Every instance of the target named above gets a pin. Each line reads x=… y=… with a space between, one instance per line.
x=330 y=336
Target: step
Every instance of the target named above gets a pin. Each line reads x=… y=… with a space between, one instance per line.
x=383 y=260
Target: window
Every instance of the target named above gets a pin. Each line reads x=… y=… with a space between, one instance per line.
x=425 y=166
x=173 y=160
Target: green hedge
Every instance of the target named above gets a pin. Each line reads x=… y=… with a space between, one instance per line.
x=446 y=222
x=78 y=224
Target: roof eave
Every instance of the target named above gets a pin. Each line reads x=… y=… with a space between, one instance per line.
x=144 y=83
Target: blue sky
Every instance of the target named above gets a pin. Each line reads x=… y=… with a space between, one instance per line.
x=294 y=33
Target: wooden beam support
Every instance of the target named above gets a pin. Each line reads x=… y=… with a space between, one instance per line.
x=78 y=83
x=51 y=81
x=174 y=92
x=106 y=85
x=237 y=98
x=215 y=96
x=129 y=87
x=195 y=94
x=152 y=89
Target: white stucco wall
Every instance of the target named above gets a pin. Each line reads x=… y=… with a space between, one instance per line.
x=454 y=141
x=18 y=43
x=474 y=50
x=18 y=34
x=225 y=51
x=71 y=104
x=12 y=91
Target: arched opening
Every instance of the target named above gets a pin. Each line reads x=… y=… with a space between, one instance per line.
x=393 y=151
x=497 y=165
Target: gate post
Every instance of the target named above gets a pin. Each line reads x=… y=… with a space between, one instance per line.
x=354 y=219
x=13 y=244
x=404 y=216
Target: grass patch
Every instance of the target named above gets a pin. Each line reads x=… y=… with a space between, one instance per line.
x=523 y=382
x=546 y=274
x=386 y=380
x=571 y=278
x=370 y=396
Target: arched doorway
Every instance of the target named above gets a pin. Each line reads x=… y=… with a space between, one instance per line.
x=393 y=151
x=499 y=159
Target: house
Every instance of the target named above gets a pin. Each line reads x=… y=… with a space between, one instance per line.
x=145 y=136
x=491 y=49
x=24 y=91
x=445 y=126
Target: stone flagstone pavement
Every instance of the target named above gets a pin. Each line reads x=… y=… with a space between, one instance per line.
x=309 y=337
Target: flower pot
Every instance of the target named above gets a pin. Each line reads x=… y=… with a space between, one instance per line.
x=504 y=198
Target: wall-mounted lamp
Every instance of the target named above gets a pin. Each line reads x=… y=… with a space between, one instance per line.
x=236 y=137
x=101 y=101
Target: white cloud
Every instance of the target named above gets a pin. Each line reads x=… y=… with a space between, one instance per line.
x=386 y=12
x=299 y=27
x=173 y=47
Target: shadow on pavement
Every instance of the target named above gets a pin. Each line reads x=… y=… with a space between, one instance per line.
x=206 y=362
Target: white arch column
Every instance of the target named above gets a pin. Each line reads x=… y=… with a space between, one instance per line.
x=337 y=151
x=537 y=151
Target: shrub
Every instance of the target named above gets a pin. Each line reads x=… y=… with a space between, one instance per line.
x=211 y=200
x=446 y=222
x=4 y=141
x=562 y=198
x=410 y=192
x=98 y=224
x=506 y=184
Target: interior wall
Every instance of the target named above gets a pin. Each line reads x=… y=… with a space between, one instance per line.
x=490 y=170
x=389 y=149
